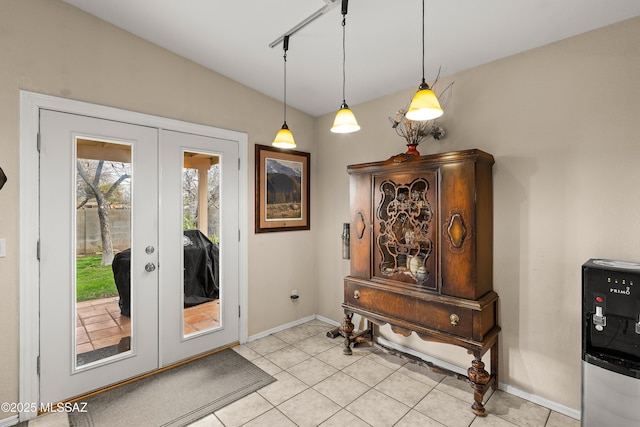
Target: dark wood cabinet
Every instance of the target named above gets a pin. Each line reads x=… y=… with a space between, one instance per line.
x=422 y=254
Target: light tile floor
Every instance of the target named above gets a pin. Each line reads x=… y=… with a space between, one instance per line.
x=319 y=386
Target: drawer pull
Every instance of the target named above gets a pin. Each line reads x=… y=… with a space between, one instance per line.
x=454 y=319
x=356 y=294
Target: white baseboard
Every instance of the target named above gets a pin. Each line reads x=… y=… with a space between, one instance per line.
x=327 y=320
x=9 y=421
x=280 y=328
x=554 y=406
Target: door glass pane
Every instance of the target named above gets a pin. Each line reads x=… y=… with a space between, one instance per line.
x=103 y=242
x=404 y=229
x=201 y=180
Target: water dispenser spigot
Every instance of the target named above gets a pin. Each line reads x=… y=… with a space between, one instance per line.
x=599 y=319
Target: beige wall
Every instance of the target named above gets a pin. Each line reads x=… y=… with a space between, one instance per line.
x=565 y=183
x=562 y=122
x=49 y=47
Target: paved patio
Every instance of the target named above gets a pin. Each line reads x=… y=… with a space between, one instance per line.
x=99 y=323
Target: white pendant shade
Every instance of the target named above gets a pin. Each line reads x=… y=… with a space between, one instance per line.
x=284 y=138
x=424 y=105
x=345 y=121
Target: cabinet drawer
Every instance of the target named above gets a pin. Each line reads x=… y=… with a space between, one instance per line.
x=418 y=310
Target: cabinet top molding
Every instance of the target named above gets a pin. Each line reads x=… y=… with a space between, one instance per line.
x=402 y=161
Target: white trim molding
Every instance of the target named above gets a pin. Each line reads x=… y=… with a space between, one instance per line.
x=29 y=267
x=9 y=421
x=280 y=328
x=327 y=320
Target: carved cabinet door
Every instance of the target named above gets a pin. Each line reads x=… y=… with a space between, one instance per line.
x=405 y=228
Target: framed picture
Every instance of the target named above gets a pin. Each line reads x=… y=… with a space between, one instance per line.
x=282 y=189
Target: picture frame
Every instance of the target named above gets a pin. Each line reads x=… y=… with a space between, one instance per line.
x=282 y=189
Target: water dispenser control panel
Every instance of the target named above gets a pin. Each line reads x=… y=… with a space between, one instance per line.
x=611 y=310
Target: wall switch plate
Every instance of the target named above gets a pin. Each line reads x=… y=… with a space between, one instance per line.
x=3 y=247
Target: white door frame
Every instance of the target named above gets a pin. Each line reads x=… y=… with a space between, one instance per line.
x=30 y=105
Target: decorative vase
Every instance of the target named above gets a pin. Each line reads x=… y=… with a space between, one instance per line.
x=412 y=149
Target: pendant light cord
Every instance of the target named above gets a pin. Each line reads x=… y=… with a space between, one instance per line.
x=423 y=81
x=344 y=57
x=285 y=47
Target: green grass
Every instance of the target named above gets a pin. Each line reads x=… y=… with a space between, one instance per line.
x=94 y=280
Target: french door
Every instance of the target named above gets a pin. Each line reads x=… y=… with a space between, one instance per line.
x=213 y=163
x=138 y=250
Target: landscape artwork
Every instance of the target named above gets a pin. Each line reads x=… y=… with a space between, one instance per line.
x=282 y=189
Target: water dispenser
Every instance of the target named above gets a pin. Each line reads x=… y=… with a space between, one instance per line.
x=610 y=343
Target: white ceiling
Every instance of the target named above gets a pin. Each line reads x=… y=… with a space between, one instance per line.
x=383 y=39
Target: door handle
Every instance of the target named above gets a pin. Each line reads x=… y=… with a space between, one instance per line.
x=150 y=267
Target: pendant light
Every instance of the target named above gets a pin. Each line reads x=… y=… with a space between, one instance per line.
x=425 y=104
x=284 y=137
x=345 y=121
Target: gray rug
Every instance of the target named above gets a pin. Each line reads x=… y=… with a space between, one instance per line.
x=176 y=397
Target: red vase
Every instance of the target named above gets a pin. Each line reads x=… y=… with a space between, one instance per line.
x=412 y=150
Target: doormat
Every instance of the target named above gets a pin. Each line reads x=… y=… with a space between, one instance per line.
x=176 y=397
